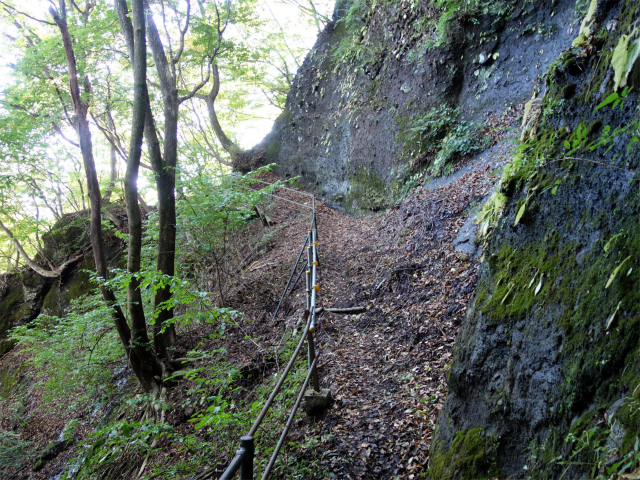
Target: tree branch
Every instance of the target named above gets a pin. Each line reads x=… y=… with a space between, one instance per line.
x=33 y=265
x=15 y=10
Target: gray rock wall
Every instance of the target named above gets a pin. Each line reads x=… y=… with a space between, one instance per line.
x=547 y=361
x=343 y=131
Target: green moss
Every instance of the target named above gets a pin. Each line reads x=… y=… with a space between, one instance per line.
x=6 y=346
x=81 y=285
x=272 y=152
x=67 y=235
x=59 y=297
x=15 y=297
x=629 y=417
x=368 y=191
x=599 y=364
x=287 y=115
x=12 y=307
x=471 y=456
x=8 y=379
x=517 y=272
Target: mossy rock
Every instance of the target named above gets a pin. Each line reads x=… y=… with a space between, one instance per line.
x=21 y=299
x=69 y=234
x=368 y=191
x=78 y=284
x=471 y=456
x=9 y=376
x=272 y=153
x=6 y=346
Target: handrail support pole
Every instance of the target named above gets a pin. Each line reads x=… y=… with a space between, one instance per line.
x=311 y=356
x=246 y=469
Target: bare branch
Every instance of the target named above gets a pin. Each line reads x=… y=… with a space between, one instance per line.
x=183 y=32
x=64 y=137
x=55 y=273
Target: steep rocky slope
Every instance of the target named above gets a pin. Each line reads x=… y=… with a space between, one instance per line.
x=24 y=294
x=347 y=126
x=547 y=362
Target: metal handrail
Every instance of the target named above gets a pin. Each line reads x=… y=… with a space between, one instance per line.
x=267 y=405
x=293 y=271
x=283 y=436
x=243 y=459
x=281 y=198
x=290 y=189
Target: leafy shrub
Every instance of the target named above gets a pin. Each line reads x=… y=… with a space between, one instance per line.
x=215 y=209
x=75 y=355
x=440 y=132
x=14 y=451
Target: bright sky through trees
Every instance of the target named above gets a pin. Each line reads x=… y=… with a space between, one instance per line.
x=40 y=160
x=278 y=15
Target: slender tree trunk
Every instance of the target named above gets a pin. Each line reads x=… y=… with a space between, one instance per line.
x=142 y=360
x=113 y=178
x=165 y=182
x=229 y=146
x=164 y=171
x=134 y=296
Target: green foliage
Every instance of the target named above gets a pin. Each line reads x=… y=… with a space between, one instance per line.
x=490 y=213
x=440 y=132
x=225 y=400
x=462 y=140
x=624 y=58
x=351 y=29
x=114 y=450
x=14 y=451
x=615 y=99
x=74 y=356
x=599 y=447
x=426 y=131
x=215 y=209
x=453 y=11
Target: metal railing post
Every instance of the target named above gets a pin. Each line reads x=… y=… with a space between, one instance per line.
x=311 y=356
x=243 y=459
x=310 y=268
x=246 y=469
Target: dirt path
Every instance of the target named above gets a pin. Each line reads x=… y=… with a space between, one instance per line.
x=387 y=367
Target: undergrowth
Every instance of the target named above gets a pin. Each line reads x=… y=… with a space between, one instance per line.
x=441 y=135
x=79 y=362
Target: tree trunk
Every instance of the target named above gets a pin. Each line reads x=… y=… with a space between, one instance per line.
x=142 y=360
x=228 y=145
x=113 y=177
x=165 y=182
x=164 y=170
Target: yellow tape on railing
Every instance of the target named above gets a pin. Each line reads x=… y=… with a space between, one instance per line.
x=316 y=288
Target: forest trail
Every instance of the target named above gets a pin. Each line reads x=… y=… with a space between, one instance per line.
x=387 y=367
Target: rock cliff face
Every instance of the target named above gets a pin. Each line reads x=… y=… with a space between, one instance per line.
x=347 y=126
x=24 y=294
x=546 y=375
